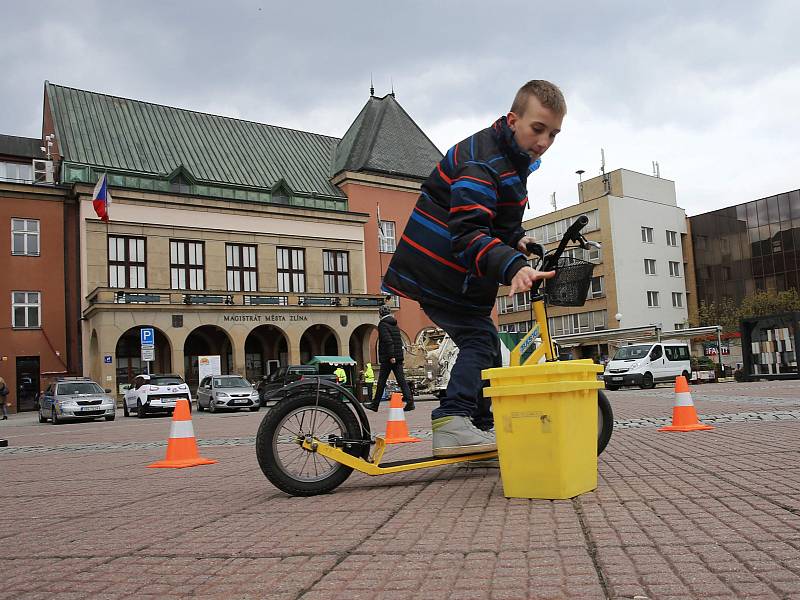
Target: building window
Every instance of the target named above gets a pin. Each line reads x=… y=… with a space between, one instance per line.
x=647 y=235
x=677 y=299
x=127 y=263
x=522 y=301
x=649 y=266
x=241 y=268
x=336 y=271
x=672 y=238
x=25 y=237
x=674 y=269
x=16 y=172
x=595 y=288
x=679 y=326
x=387 y=237
x=504 y=304
x=652 y=298
x=187 y=265
x=291 y=270
x=26 y=310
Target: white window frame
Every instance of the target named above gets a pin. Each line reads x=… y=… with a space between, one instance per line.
x=6 y=166
x=679 y=326
x=388 y=241
x=648 y=263
x=30 y=300
x=677 y=299
x=673 y=238
x=647 y=235
x=27 y=233
x=596 y=293
x=674 y=268
x=652 y=298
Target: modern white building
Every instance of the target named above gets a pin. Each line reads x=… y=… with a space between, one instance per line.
x=644 y=272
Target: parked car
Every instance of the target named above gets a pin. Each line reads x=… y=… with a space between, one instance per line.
x=647 y=364
x=226 y=391
x=75 y=398
x=154 y=394
x=280 y=377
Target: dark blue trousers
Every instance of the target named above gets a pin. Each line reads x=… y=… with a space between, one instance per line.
x=478 y=349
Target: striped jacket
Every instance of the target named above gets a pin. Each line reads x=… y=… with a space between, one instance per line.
x=459 y=243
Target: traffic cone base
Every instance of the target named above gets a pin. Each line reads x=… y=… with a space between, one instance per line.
x=181 y=446
x=396 y=427
x=684 y=415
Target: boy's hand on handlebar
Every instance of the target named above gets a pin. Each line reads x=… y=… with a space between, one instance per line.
x=522 y=244
x=525 y=278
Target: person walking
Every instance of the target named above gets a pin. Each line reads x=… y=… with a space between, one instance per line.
x=4 y=398
x=390 y=355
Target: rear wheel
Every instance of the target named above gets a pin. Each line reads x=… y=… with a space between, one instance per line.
x=284 y=461
x=41 y=418
x=605 y=422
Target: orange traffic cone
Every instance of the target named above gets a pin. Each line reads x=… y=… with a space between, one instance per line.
x=396 y=428
x=684 y=416
x=181 y=446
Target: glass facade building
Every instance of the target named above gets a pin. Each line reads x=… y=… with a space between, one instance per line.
x=748 y=247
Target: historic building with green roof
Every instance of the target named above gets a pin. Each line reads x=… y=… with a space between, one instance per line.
x=252 y=242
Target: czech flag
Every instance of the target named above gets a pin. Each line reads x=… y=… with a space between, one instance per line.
x=101 y=198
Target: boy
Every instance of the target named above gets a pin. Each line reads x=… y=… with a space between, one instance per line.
x=462 y=240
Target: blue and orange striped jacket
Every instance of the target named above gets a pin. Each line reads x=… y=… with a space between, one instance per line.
x=459 y=243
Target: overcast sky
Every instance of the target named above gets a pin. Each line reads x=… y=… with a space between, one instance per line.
x=709 y=89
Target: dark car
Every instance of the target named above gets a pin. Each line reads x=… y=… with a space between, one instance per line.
x=275 y=381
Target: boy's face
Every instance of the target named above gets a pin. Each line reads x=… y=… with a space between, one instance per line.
x=535 y=130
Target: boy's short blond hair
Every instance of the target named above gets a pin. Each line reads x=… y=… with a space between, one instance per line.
x=545 y=92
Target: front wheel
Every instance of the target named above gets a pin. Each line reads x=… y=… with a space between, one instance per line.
x=605 y=422
x=648 y=382
x=284 y=461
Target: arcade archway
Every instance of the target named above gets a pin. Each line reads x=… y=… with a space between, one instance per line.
x=206 y=340
x=265 y=349
x=128 y=355
x=318 y=340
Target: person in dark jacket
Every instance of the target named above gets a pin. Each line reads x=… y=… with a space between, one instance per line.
x=390 y=356
x=463 y=239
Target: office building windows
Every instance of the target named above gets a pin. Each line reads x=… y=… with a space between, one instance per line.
x=241 y=268
x=186 y=265
x=291 y=270
x=127 y=262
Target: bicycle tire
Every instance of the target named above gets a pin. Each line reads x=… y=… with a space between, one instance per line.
x=271 y=426
x=605 y=421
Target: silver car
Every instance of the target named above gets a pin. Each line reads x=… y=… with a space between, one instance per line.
x=226 y=391
x=75 y=398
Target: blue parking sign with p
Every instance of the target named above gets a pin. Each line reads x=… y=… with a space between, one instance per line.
x=147 y=336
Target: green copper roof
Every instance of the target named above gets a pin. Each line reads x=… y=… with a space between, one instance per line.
x=160 y=141
x=384 y=139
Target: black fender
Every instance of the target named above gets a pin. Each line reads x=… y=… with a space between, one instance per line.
x=323 y=386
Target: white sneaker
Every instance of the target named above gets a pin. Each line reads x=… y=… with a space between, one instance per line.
x=455 y=436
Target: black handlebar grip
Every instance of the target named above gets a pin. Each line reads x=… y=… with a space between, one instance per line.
x=535 y=249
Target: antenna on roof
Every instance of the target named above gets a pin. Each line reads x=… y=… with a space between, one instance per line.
x=391 y=82
x=371 y=87
x=553 y=200
x=602 y=161
x=656 y=169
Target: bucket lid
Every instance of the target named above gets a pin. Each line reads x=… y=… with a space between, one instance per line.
x=567 y=367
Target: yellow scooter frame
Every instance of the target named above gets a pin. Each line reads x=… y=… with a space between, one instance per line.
x=525 y=352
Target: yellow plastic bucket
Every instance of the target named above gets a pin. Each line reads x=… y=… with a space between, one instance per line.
x=545 y=419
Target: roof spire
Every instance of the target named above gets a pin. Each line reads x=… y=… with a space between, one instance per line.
x=371 y=87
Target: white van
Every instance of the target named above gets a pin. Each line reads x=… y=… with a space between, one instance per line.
x=647 y=364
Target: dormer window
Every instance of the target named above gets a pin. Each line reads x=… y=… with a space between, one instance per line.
x=179 y=184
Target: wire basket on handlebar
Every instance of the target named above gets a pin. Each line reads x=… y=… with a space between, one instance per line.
x=570 y=285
